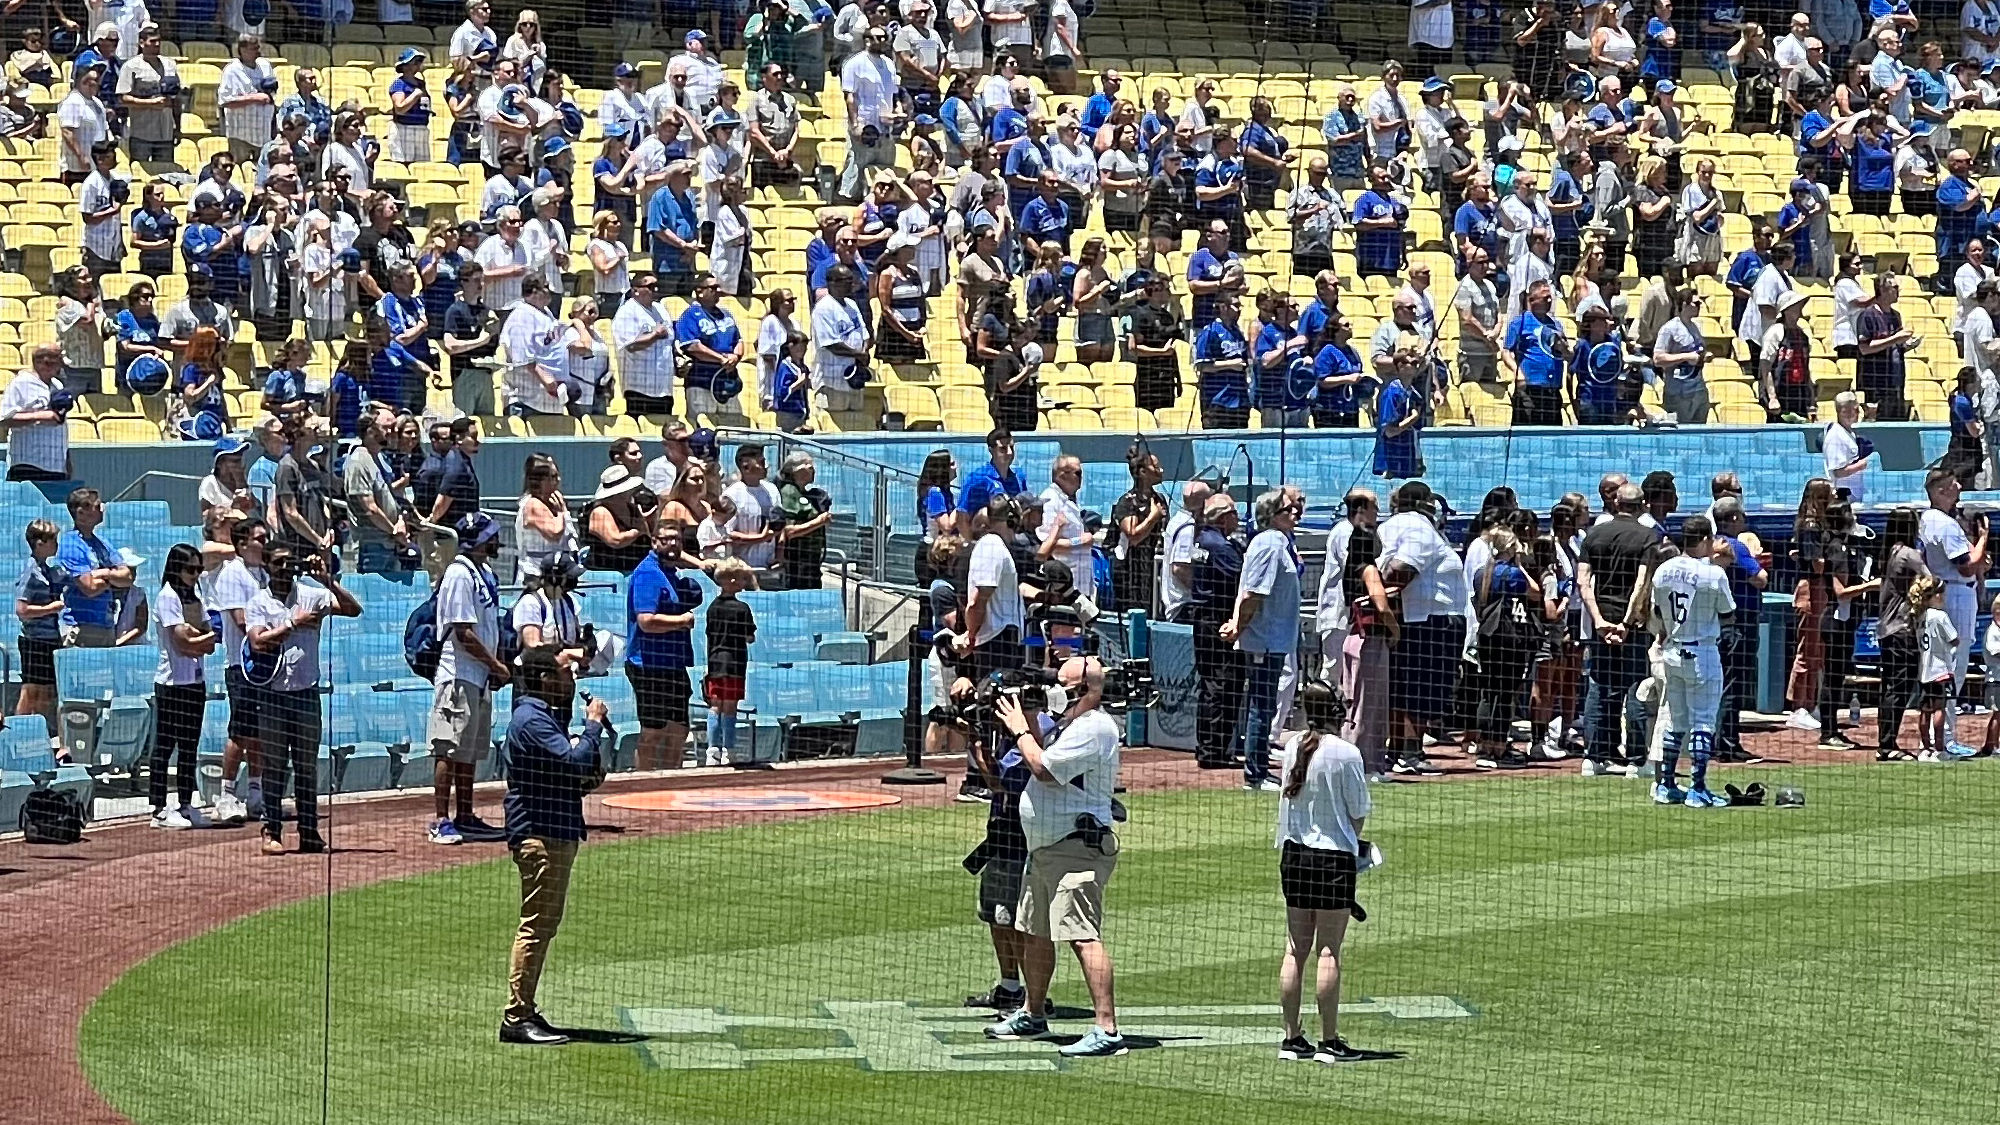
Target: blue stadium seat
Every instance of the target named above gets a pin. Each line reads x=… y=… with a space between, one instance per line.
x=364 y=768
x=25 y=752
x=106 y=703
x=784 y=640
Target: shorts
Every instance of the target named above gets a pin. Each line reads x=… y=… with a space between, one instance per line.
x=722 y=689
x=636 y=403
x=1694 y=687
x=1000 y=886
x=1423 y=669
x=245 y=701
x=1992 y=699
x=38 y=661
x=1932 y=696
x=1478 y=368
x=461 y=728
x=1062 y=892
x=1316 y=878
x=1096 y=329
x=661 y=695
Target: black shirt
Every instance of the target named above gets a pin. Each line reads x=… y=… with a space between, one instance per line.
x=424 y=486
x=465 y=321
x=1614 y=551
x=1218 y=565
x=731 y=628
x=1154 y=326
x=1134 y=505
x=382 y=253
x=460 y=481
x=1169 y=202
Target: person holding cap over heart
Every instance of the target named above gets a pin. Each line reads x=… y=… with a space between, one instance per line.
x=410 y=109
x=247 y=95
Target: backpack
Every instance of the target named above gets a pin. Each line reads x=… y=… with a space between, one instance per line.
x=52 y=816
x=423 y=644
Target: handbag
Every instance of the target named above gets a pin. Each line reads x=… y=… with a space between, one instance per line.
x=1503 y=616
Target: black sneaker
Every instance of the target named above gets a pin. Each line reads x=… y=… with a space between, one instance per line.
x=1514 y=760
x=1336 y=1050
x=312 y=845
x=999 y=999
x=1422 y=765
x=974 y=795
x=473 y=830
x=1296 y=1049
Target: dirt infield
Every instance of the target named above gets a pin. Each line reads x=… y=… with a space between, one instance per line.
x=74 y=919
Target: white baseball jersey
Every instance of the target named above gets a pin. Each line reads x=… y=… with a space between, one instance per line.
x=1692 y=597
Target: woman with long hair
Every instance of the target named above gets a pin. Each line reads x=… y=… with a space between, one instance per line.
x=937 y=510
x=200 y=387
x=1093 y=295
x=610 y=261
x=688 y=505
x=1897 y=628
x=1506 y=597
x=899 y=297
x=1364 y=658
x=589 y=353
x=1750 y=56
x=543 y=525
x=1849 y=576
x=1652 y=217
x=1811 y=601
x=1011 y=397
x=180 y=692
x=1321 y=811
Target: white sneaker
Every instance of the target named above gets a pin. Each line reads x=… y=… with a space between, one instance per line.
x=195 y=817
x=1802 y=719
x=1635 y=772
x=1550 y=751
x=718 y=757
x=229 y=809
x=1927 y=755
x=170 y=818
x=1593 y=768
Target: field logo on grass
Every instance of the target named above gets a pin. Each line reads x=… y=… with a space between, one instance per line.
x=895 y=1035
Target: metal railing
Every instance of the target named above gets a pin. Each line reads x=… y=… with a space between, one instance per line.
x=873 y=518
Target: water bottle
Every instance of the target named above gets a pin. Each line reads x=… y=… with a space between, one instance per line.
x=1854 y=710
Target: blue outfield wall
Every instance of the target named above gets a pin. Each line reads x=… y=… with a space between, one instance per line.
x=1462 y=463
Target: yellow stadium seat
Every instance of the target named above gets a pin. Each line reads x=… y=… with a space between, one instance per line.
x=128 y=430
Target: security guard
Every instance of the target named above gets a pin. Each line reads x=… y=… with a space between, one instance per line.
x=1218 y=564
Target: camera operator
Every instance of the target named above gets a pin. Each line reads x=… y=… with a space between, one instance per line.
x=1066 y=822
x=550 y=613
x=1059 y=615
x=1218 y=566
x=1000 y=860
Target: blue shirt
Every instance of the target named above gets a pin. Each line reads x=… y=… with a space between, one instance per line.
x=716 y=330
x=1964 y=412
x=1273 y=383
x=1221 y=340
x=1259 y=137
x=344 y=399
x=986 y=482
x=675 y=213
x=1661 y=61
x=39 y=584
x=1027 y=160
x=1599 y=369
x=403 y=314
x=1953 y=193
x=546 y=772
x=202 y=244
x=1811 y=125
x=211 y=403
x=1006 y=124
x=1802 y=237
x=284 y=386
x=1533 y=339
x=791 y=388
x=443 y=288
x=1313 y=320
x=419 y=112
x=1478 y=224
x=78 y=556
x=1046 y=220
x=137 y=330
x=1331 y=404
x=1743 y=568
x=1204 y=266
x=1347 y=159
x=1563 y=188
x=1271 y=568
x=1874 y=165
x=1097 y=110
x=653 y=589
x=1212 y=172
x=390 y=370
x=819 y=255
x=1379 y=249
x=154 y=226
x=1218 y=569
x=1395 y=455
x=1743 y=271
x=816 y=280
x=1720 y=12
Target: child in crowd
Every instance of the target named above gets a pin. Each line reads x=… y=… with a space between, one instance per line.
x=791 y=392
x=1935 y=640
x=731 y=629
x=285 y=387
x=712 y=536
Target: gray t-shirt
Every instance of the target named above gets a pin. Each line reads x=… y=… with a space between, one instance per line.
x=1482 y=300
x=363 y=477
x=1678 y=337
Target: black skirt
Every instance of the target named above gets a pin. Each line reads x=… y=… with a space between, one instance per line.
x=1317 y=878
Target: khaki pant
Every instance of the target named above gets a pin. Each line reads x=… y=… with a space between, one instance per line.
x=545 y=866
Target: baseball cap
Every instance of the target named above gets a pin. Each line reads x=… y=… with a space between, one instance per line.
x=1802 y=184
x=624 y=70
x=229 y=445
x=1666 y=88
x=702 y=444
x=476 y=529
x=923 y=119
x=616 y=129
x=697 y=35
x=554 y=145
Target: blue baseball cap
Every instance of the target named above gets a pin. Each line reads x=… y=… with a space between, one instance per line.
x=616 y=129
x=1666 y=88
x=476 y=529
x=1920 y=128
x=696 y=35
x=553 y=145
x=923 y=119
x=229 y=445
x=624 y=70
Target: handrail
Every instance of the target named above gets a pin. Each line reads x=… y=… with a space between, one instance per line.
x=142 y=478
x=815 y=447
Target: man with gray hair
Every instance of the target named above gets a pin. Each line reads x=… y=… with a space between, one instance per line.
x=1177 y=549
x=1062 y=533
x=1264 y=627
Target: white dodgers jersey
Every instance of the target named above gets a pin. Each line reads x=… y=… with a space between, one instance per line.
x=1692 y=597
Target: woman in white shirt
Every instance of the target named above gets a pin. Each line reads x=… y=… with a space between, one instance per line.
x=527 y=47
x=179 y=689
x=1965 y=282
x=1613 y=53
x=1321 y=809
x=610 y=261
x=547 y=242
x=729 y=252
x=322 y=290
x=1848 y=300
x=773 y=333
x=543 y=525
x=350 y=152
x=1201 y=115
x=1060 y=50
x=589 y=375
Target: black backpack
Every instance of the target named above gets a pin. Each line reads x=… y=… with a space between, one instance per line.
x=52 y=816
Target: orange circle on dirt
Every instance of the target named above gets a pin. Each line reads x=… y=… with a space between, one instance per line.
x=749 y=800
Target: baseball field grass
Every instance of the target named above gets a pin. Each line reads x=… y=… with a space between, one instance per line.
x=1546 y=949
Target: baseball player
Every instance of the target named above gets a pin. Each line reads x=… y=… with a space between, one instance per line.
x=1691 y=596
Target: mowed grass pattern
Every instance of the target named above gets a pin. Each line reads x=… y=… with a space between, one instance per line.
x=1627 y=964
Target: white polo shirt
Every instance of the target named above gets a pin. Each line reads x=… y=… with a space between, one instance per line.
x=1084 y=761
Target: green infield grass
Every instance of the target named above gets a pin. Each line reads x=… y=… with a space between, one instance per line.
x=1548 y=949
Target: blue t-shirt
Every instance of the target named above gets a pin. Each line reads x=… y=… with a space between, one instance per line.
x=137 y=330
x=986 y=482
x=1204 y=266
x=443 y=288
x=1259 y=137
x=1046 y=220
x=1661 y=61
x=284 y=386
x=816 y=280
x=1025 y=161
x=1802 y=237
x=1743 y=570
x=1221 y=340
x=202 y=245
x=653 y=589
x=1720 y=12
x=675 y=213
x=1051 y=285
x=1313 y=320
x=1273 y=383
x=1599 y=369
x=344 y=400
x=1006 y=124
x=1535 y=340
x=403 y=314
x=1097 y=110
x=791 y=388
x=1810 y=126
x=1395 y=455
x=419 y=112
x=1213 y=172
x=1379 y=249
x=1964 y=412
x=212 y=403
x=1477 y=223
x=717 y=330
x=1874 y=165
x=152 y=227
x=1563 y=188
x=78 y=556
x=1743 y=271
x=1341 y=402
x=390 y=371
x=39 y=584
x=1952 y=193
